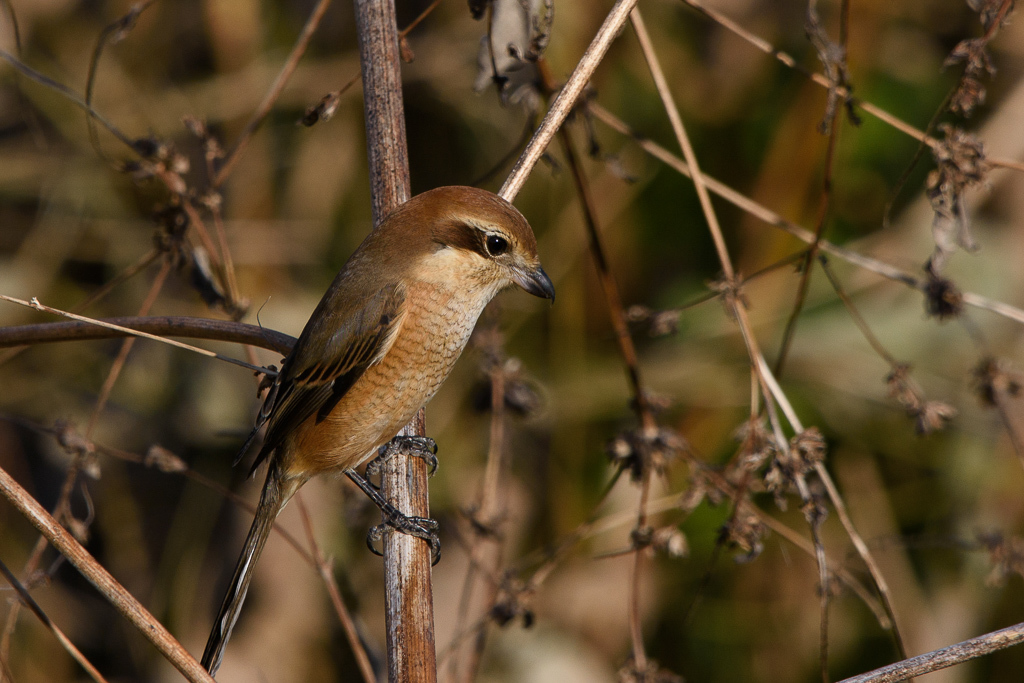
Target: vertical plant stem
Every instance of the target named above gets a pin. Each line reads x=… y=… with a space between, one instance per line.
x=409 y=605
x=323 y=566
x=486 y=551
x=126 y=347
x=629 y=356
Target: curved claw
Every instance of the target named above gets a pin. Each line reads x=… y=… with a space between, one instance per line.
x=435 y=550
x=425 y=528
x=422 y=447
x=376 y=533
x=419 y=527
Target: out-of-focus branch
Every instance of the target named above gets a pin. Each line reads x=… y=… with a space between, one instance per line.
x=26 y=599
x=788 y=60
x=566 y=99
x=946 y=657
x=323 y=566
x=162 y=326
x=771 y=388
x=99 y=577
x=765 y=214
x=270 y=98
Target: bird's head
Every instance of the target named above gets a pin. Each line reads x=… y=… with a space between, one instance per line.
x=476 y=239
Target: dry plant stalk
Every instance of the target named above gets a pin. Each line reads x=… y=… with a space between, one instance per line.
x=944 y=658
x=567 y=97
x=99 y=577
x=409 y=604
x=25 y=598
x=770 y=387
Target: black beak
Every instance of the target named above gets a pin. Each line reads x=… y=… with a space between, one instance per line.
x=536 y=282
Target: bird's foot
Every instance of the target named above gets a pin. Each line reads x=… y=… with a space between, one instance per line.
x=420 y=527
x=422 y=447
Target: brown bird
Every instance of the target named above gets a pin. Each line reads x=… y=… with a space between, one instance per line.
x=378 y=346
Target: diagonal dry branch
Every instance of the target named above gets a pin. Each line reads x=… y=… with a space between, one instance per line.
x=772 y=390
x=270 y=98
x=567 y=98
x=99 y=577
x=944 y=658
x=789 y=61
x=26 y=599
x=765 y=214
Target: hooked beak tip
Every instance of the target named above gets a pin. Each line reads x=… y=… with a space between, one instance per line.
x=538 y=283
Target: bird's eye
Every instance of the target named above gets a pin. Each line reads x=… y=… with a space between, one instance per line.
x=496 y=245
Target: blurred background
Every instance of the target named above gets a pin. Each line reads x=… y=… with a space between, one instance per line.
x=941 y=512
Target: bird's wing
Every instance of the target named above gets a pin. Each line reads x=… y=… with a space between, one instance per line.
x=331 y=354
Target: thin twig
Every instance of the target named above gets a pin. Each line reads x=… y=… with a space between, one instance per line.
x=613 y=301
x=419 y=19
x=61 y=510
x=161 y=326
x=270 y=98
x=27 y=600
x=937 y=660
x=126 y=274
x=567 y=97
x=67 y=92
x=323 y=566
x=113 y=31
x=765 y=214
x=786 y=59
x=62 y=506
x=852 y=311
x=824 y=206
x=34 y=303
x=159 y=459
x=99 y=577
x=767 y=379
x=126 y=347
x=488 y=513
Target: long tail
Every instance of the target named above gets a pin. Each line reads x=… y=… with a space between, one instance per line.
x=275 y=494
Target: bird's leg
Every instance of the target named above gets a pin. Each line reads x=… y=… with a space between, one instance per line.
x=422 y=447
x=420 y=527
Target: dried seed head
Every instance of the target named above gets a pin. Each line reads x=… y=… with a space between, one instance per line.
x=638 y=451
x=657 y=323
x=809 y=448
x=990 y=11
x=671 y=541
x=970 y=93
x=72 y=441
x=993 y=380
x=746 y=532
x=932 y=417
x=757 y=445
x=960 y=164
x=1006 y=556
x=163 y=460
x=942 y=298
x=322 y=110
